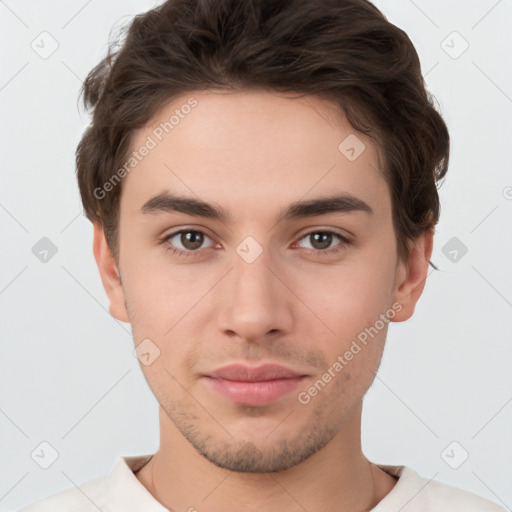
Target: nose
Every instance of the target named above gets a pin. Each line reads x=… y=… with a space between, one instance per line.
x=254 y=303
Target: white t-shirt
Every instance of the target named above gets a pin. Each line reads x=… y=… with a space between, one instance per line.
x=121 y=491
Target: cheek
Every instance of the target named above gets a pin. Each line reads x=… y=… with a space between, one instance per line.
x=161 y=294
x=348 y=297
x=350 y=300
x=165 y=305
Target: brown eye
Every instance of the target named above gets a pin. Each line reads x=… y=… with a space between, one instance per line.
x=320 y=240
x=186 y=242
x=191 y=240
x=324 y=242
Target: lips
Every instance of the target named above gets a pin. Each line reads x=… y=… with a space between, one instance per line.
x=243 y=373
x=254 y=386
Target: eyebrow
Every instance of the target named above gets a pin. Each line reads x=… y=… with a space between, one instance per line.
x=166 y=202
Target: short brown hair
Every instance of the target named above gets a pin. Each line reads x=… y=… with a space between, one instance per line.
x=344 y=51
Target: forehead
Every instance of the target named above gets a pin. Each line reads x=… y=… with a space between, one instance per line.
x=250 y=149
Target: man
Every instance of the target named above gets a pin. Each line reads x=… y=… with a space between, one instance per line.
x=261 y=177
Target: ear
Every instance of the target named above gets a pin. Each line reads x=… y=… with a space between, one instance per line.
x=109 y=275
x=411 y=276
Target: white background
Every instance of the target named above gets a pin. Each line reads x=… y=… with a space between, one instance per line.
x=68 y=375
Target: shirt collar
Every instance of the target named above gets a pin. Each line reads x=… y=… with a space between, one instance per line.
x=124 y=492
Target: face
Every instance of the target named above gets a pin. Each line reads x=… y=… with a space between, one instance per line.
x=249 y=236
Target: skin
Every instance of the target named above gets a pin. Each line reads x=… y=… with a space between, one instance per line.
x=254 y=153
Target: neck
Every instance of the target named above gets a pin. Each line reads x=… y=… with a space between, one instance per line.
x=337 y=477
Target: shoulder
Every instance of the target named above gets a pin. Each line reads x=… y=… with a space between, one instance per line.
x=86 y=498
x=415 y=493
x=118 y=490
x=446 y=497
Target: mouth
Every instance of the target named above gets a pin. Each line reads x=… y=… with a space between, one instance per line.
x=257 y=386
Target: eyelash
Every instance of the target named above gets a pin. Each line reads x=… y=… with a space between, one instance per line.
x=180 y=252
